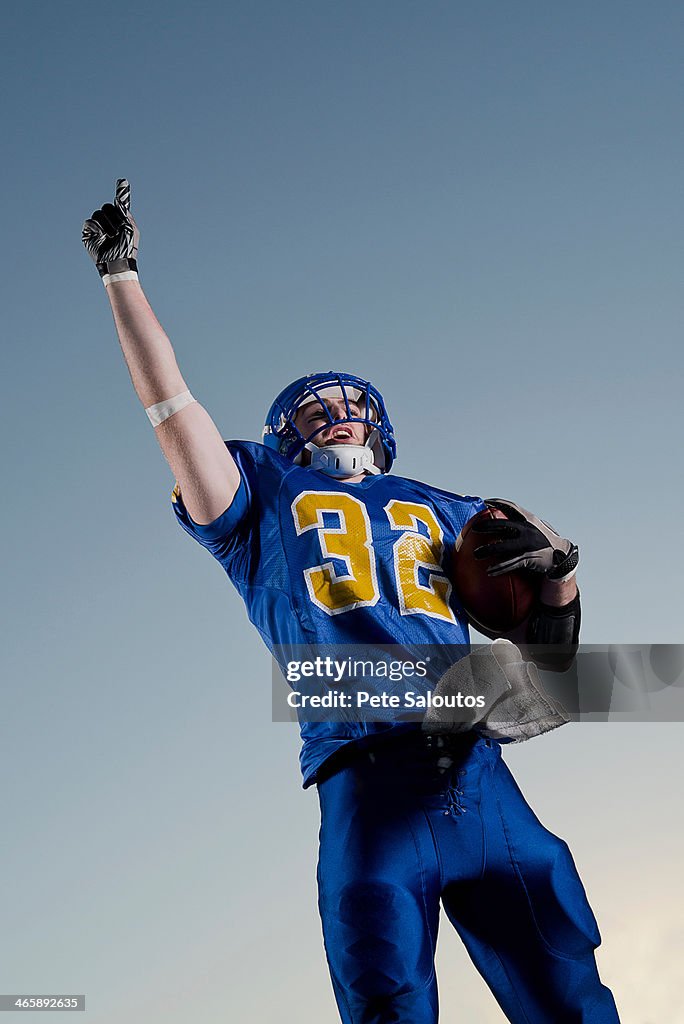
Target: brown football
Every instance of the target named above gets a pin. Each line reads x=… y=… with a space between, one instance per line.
x=494 y=604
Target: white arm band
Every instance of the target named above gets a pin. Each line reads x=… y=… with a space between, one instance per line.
x=124 y=275
x=162 y=410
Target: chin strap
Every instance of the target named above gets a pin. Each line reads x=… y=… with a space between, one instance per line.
x=342 y=460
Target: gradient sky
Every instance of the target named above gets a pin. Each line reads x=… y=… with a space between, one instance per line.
x=478 y=206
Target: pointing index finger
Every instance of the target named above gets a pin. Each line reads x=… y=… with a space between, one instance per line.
x=122 y=196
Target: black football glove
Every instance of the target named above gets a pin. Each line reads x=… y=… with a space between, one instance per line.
x=111 y=235
x=523 y=541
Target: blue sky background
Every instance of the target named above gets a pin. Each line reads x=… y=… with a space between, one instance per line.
x=478 y=207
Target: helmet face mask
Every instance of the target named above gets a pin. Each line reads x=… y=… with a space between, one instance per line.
x=282 y=434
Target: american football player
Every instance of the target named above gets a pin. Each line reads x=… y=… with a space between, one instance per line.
x=326 y=545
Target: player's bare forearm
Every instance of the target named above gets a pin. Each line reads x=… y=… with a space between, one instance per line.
x=147 y=350
x=193 y=446
x=556 y=595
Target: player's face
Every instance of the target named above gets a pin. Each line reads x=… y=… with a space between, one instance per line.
x=312 y=417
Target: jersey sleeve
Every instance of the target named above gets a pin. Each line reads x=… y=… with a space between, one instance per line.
x=231 y=529
x=477 y=505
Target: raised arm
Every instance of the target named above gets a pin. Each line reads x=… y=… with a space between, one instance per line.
x=194 y=448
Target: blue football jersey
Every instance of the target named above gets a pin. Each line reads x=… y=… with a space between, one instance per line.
x=322 y=561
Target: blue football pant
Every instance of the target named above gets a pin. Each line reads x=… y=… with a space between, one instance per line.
x=399 y=835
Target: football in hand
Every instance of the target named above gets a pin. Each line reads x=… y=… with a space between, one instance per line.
x=495 y=605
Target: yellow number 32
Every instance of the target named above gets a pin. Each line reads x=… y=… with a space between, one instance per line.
x=348 y=539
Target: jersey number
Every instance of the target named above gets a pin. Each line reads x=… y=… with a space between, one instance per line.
x=344 y=532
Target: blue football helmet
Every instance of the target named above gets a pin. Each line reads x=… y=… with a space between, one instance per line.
x=375 y=456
